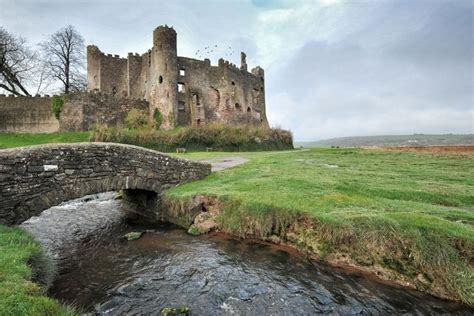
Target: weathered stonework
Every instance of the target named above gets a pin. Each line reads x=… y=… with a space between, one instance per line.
x=27 y=115
x=186 y=91
x=82 y=110
x=38 y=177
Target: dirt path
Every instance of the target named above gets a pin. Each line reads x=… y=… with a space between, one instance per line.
x=225 y=162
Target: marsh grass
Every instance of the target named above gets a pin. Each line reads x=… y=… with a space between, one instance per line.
x=410 y=213
x=216 y=136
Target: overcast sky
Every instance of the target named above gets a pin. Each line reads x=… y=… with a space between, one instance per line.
x=333 y=68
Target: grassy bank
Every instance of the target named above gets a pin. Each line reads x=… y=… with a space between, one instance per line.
x=217 y=137
x=11 y=140
x=22 y=268
x=406 y=216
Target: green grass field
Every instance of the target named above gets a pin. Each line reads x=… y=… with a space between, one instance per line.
x=409 y=212
x=11 y=140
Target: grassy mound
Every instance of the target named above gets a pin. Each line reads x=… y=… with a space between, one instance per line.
x=23 y=268
x=217 y=137
x=408 y=215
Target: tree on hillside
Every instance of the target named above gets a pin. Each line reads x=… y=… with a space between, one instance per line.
x=17 y=63
x=64 y=57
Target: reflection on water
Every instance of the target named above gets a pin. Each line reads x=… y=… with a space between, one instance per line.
x=217 y=275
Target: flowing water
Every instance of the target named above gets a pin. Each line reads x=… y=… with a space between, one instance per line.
x=212 y=274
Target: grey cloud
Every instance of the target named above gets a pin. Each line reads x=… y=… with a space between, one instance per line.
x=418 y=77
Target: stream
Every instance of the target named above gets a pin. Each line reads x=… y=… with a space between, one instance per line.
x=212 y=274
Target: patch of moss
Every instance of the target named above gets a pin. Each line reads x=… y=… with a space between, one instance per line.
x=193 y=230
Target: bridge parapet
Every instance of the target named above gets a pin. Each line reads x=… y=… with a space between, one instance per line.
x=35 y=178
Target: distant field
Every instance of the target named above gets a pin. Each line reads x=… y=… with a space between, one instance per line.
x=393 y=140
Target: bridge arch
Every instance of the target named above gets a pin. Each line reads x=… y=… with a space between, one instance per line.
x=35 y=178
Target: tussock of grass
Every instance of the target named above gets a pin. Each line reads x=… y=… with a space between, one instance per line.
x=408 y=213
x=21 y=263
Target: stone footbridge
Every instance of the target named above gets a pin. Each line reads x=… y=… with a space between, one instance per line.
x=35 y=178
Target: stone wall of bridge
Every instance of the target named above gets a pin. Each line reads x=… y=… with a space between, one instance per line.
x=35 y=178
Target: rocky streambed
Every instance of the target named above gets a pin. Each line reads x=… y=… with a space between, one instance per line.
x=215 y=274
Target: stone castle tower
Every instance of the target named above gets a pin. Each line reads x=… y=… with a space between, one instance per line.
x=186 y=91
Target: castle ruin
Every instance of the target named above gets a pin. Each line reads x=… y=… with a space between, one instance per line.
x=186 y=91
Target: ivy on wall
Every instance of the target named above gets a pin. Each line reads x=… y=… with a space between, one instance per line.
x=57 y=103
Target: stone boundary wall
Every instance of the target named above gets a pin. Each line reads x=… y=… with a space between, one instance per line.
x=82 y=110
x=24 y=114
x=35 y=178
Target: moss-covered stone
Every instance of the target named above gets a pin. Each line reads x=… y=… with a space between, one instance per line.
x=133 y=235
x=175 y=311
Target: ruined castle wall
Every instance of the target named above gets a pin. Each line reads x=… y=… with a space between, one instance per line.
x=27 y=115
x=113 y=75
x=163 y=74
x=82 y=110
x=134 y=80
x=186 y=91
x=222 y=93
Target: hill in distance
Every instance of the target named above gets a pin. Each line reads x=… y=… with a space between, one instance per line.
x=393 y=140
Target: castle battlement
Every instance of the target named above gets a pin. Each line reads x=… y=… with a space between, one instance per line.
x=37 y=96
x=186 y=91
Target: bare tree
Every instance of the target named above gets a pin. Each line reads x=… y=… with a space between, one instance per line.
x=17 y=63
x=64 y=56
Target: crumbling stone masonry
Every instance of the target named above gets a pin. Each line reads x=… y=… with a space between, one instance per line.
x=186 y=91
x=27 y=114
x=83 y=109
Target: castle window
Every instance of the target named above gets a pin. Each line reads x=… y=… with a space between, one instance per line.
x=182 y=72
x=181 y=87
x=249 y=109
x=196 y=99
x=198 y=122
x=233 y=83
x=160 y=79
x=181 y=106
x=238 y=107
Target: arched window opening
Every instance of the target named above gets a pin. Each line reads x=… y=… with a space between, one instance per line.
x=181 y=87
x=198 y=122
x=160 y=79
x=249 y=109
x=238 y=107
x=181 y=106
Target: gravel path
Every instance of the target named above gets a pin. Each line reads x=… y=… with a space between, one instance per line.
x=219 y=164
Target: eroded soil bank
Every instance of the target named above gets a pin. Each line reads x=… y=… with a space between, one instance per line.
x=390 y=263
